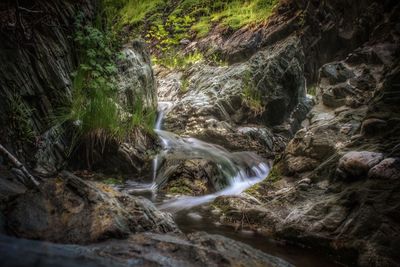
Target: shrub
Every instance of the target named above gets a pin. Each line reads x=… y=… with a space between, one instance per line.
x=94 y=112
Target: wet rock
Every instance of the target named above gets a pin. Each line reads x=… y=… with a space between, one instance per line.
x=198 y=249
x=50 y=155
x=222 y=103
x=373 y=127
x=71 y=210
x=300 y=164
x=190 y=176
x=365 y=81
x=136 y=81
x=335 y=96
x=336 y=72
x=279 y=96
x=387 y=169
x=2 y=224
x=356 y=164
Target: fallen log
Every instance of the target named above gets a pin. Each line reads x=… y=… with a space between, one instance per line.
x=28 y=178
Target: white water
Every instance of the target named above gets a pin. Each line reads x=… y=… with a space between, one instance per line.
x=163 y=107
x=241 y=169
x=235 y=188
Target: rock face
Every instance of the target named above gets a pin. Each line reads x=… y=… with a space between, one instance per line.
x=71 y=210
x=37 y=60
x=232 y=105
x=136 y=88
x=198 y=249
x=136 y=78
x=35 y=84
x=336 y=185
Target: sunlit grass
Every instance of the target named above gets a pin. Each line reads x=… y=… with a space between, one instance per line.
x=135 y=11
x=239 y=13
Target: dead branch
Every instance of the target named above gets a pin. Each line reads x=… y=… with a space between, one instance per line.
x=29 y=179
x=29 y=10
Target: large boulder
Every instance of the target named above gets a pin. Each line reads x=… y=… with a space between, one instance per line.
x=387 y=169
x=356 y=164
x=190 y=177
x=70 y=210
x=281 y=94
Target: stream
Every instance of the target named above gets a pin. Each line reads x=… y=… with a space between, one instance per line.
x=240 y=170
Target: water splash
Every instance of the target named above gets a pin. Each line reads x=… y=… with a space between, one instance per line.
x=240 y=169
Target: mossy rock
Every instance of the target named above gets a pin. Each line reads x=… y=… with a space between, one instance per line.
x=259 y=189
x=185 y=186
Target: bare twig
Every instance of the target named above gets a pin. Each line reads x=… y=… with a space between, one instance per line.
x=29 y=10
x=29 y=179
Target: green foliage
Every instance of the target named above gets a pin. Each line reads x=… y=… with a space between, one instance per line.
x=178 y=61
x=166 y=36
x=164 y=24
x=94 y=111
x=251 y=96
x=134 y=11
x=217 y=59
x=274 y=174
x=238 y=13
x=312 y=90
x=19 y=120
x=202 y=27
x=184 y=85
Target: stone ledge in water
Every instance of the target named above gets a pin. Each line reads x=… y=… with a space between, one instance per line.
x=198 y=249
x=72 y=210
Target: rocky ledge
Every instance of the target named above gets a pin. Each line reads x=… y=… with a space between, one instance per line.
x=336 y=186
x=146 y=249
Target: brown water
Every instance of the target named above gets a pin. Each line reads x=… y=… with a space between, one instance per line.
x=197 y=219
x=297 y=256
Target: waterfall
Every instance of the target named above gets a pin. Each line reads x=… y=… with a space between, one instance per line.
x=240 y=170
x=163 y=107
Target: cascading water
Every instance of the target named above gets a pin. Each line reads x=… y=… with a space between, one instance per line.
x=241 y=170
x=162 y=108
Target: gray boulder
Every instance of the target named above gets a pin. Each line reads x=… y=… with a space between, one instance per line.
x=68 y=209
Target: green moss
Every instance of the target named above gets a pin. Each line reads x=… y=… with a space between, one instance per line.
x=185 y=186
x=239 y=13
x=257 y=190
x=202 y=27
x=251 y=96
x=312 y=90
x=275 y=174
x=113 y=181
x=184 y=85
x=217 y=59
x=178 y=61
x=134 y=11
x=254 y=190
